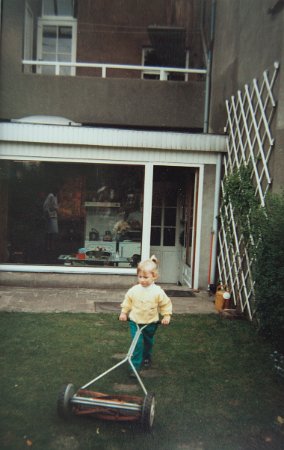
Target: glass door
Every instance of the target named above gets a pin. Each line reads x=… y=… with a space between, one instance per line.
x=164 y=230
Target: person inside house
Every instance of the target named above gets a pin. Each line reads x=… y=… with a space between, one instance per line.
x=50 y=212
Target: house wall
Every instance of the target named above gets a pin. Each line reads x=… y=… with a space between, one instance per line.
x=248 y=40
x=207 y=222
x=93 y=100
x=112 y=101
x=117 y=31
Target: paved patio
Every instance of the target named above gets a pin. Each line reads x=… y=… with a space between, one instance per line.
x=82 y=300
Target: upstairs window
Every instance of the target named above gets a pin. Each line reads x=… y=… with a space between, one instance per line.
x=50 y=35
x=56 y=42
x=56 y=36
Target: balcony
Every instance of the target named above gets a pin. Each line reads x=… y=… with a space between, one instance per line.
x=154 y=76
x=106 y=95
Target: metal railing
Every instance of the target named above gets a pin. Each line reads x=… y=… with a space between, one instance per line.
x=162 y=72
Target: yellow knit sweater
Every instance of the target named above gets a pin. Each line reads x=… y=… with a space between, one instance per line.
x=144 y=304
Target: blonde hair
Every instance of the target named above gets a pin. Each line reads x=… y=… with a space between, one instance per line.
x=149 y=265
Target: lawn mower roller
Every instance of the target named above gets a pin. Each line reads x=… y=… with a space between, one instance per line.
x=113 y=407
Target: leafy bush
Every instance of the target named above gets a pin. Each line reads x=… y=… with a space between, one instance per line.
x=269 y=272
x=262 y=229
x=248 y=212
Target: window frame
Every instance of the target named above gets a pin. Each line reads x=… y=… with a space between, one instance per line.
x=57 y=21
x=28 y=36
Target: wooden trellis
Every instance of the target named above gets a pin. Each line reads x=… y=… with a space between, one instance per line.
x=249 y=142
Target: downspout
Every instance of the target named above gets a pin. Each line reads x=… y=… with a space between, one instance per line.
x=208 y=58
x=208 y=52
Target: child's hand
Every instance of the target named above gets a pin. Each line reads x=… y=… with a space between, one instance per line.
x=123 y=317
x=166 y=320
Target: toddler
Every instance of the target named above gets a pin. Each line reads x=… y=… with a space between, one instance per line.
x=142 y=304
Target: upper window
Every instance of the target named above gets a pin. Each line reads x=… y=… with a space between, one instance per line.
x=55 y=37
x=56 y=41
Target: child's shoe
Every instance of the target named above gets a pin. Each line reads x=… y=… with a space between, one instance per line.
x=147 y=363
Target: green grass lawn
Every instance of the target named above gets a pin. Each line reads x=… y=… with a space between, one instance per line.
x=213 y=379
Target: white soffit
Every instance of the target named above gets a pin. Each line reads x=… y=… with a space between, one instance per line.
x=110 y=137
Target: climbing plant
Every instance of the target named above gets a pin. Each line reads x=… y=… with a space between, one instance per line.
x=240 y=192
x=262 y=229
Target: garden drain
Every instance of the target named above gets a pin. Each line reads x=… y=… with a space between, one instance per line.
x=179 y=293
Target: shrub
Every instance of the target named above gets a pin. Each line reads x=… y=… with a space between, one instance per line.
x=262 y=229
x=268 y=272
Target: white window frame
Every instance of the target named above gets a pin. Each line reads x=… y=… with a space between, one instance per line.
x=28 y=36
x=57 y=21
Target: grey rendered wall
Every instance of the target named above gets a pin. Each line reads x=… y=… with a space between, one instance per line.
x=248 y=40
x=207 y=221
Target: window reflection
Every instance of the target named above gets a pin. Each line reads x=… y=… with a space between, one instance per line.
x=72 y=214
x=164 y=215
x=56 y=46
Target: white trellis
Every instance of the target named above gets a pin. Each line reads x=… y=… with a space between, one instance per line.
x=250 y=141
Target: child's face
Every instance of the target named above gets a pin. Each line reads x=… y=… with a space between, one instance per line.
x=146 y=278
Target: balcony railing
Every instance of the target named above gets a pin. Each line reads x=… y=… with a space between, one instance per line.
x=162 y=72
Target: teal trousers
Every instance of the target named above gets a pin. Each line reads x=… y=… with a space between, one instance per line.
x=144 y=347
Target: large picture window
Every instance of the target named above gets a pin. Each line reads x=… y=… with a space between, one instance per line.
x=71 y=214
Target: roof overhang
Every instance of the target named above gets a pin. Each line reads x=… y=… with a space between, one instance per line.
x=110 y=138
